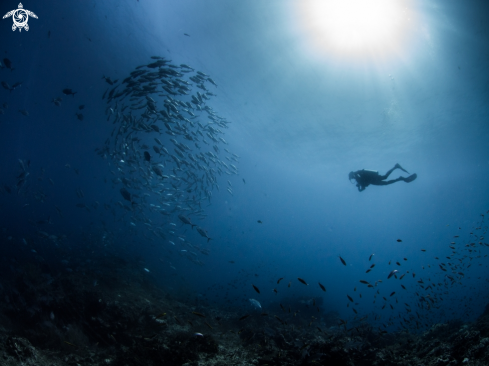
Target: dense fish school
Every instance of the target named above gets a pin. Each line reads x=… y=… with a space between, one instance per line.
x=166 y=146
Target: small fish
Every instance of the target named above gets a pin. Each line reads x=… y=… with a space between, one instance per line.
x=147 y=270
x=198 y=335
x=125 y=193
x=302 y=281
x=6 y=86
x=81 y=107
x=371 y=255
x=147 y=156
x=280 y=320
x=185 y=34
x=79 y=116
x=244 y=317
x=203 y=233
x=322 y=287
x=186 y=220
x=342 y=261
x=69 y=92
x=399 y=240
x=260 y=222
x=198 y=314
x=256 y=288
x=107 y=79
x=349 y=298
x=255 y=303
x=8 y=63
x=280 y=279
x=393 y=293
x=392 y=273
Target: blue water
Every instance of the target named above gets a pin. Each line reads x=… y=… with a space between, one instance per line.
x=302 y=119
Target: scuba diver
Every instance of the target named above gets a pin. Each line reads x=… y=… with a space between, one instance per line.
x=366 y=177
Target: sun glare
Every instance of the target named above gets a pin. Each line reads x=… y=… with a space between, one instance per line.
x=355 y=25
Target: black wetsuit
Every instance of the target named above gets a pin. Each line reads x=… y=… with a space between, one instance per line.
x=366 y=177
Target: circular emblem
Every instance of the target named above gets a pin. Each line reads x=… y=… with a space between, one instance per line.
x=20 y=18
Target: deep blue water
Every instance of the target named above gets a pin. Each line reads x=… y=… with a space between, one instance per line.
x=301 y=119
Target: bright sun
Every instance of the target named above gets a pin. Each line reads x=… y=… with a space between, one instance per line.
x=355 y=25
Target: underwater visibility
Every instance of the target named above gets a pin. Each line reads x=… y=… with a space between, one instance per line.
x=244 y=183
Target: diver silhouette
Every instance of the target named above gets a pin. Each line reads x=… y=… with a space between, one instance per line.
x=366 y=177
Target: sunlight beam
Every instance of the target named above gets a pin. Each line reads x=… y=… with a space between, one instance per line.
x=355 y=25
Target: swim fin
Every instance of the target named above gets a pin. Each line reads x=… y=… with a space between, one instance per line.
x=411 y=178
x=400 y=167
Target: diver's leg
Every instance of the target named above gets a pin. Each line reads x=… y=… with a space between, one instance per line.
x=397 y=166
x=385 y=183
x=386 y=175
x=400 y=167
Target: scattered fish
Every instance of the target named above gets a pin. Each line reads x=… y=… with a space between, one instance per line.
x=203 y=233
x=392 y=273
x=186 y=220
x=8 y=64
x=69 y=92
x=255 y=303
